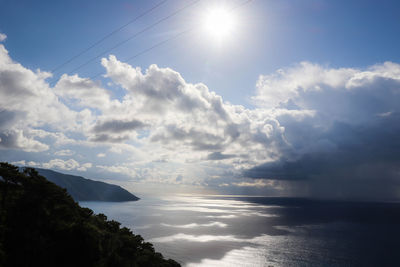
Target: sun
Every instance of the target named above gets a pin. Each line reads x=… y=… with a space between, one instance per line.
x=219 y=22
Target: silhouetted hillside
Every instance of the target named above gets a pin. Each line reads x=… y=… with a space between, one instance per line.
x=41 y=225
x=82 y=189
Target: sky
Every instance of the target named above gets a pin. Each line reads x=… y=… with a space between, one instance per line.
x=276 y=98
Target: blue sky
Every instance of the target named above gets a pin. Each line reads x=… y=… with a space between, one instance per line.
x=263 y=110
x=274 y=34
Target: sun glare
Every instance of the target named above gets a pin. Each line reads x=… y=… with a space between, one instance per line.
x=219 y=23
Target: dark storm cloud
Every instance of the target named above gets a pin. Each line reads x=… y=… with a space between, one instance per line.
x=355 y=148
x=8 y=140
x=109 y=138
x=14 y=139
x=350 y=147
x=219 y=156
x=197 y=139
x=117 y=126
x=7 y=118
x=115 y=131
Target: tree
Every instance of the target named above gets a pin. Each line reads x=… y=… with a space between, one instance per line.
x=41 y=225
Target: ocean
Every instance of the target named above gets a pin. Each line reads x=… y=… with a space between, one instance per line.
x=263 y=231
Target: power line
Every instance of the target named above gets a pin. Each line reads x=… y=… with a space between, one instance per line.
x=109 y=34
x=150 y=48
x=170 y=39
x=240 y=5
x=135 y=35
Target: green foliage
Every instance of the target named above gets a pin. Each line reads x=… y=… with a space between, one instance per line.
x=41 y=225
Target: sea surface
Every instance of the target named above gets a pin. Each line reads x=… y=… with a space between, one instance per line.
x=261 y=231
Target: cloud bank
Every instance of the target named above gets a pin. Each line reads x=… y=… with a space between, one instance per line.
x=350 y=146
x=321 y=131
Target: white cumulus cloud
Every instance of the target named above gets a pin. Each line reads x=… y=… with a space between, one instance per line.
x=3 y=37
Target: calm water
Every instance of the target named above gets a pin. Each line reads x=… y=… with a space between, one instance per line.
x=255 y=231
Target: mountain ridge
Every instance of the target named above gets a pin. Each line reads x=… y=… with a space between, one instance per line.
x=84 y=189
x=42 y=225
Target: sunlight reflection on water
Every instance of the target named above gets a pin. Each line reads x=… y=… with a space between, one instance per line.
x=243 y=231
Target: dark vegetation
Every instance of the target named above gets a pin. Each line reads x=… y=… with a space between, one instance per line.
x=82 y=189
x=41 y=225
